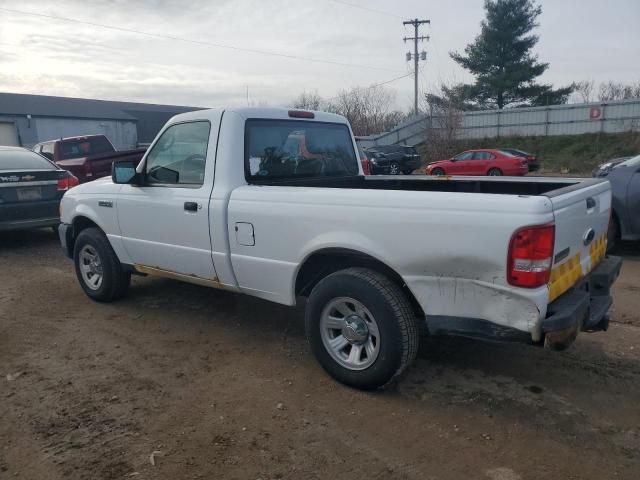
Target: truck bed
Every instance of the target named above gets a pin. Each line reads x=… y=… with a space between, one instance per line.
x=548 y=187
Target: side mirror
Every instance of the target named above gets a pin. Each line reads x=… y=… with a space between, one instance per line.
x=124 y=172
x=454 y=159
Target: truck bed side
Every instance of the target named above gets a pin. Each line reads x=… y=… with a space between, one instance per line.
x=424 y=236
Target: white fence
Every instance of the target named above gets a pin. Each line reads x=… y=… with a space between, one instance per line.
x=572 y=119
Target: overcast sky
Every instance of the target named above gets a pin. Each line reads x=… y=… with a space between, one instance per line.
x=581 y=39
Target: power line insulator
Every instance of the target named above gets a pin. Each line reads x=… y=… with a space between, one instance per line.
x=408 y=56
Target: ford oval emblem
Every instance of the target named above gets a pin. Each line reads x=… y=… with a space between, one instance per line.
x=588 y=236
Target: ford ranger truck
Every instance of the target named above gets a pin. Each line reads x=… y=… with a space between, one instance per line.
x=220 y=201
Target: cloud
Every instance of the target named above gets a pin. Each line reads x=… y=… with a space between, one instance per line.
x=56 y=57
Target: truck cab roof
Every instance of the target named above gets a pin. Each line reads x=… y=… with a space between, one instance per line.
x=259 y=112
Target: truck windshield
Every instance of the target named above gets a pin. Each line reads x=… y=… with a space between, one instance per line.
x=84 y=147
x=281 y=149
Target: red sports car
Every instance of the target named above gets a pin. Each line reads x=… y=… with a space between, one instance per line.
x=480 y=162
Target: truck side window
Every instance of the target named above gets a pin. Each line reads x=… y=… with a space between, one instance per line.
x=179 y=156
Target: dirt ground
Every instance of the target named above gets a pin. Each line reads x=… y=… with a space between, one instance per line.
x=224 y=386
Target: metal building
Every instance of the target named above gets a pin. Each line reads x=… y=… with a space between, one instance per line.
x=29 y=119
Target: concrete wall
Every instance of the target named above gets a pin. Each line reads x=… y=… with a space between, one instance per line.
x=607 y=117
x=122 y=133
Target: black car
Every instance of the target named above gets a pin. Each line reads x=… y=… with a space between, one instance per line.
x=532 y=160
x=31 y=187
x=393 y=159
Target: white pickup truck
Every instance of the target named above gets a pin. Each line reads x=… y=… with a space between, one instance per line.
x=273 y=203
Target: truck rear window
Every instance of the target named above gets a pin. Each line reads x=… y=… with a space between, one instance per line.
x=281 y=149
x=84 y=147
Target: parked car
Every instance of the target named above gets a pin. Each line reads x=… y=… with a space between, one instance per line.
x=377 y=258
x=624 y=177
x=480 y=162
x=88 y=157
x=603 y=169
x=395 y=159
x=532 y=160
x=379 y=164
x=364 y=160
x=31 y=187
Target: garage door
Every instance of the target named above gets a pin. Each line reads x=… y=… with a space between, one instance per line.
x=8 y=135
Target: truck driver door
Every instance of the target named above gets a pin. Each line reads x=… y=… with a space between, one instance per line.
x=164 y=221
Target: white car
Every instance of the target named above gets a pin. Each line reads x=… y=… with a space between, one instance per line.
x=273 y=203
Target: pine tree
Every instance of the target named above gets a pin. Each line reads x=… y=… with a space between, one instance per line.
x=502 y=62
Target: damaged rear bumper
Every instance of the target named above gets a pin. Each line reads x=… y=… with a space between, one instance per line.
x=585 y=307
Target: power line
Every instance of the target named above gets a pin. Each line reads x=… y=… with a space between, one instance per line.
x=197 y=42
x=378 y=84
x=374 y=10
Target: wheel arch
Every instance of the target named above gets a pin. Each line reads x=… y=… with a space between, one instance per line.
x=78 y=224
x=325 y=261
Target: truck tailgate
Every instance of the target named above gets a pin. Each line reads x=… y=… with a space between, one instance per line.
x=582 y=218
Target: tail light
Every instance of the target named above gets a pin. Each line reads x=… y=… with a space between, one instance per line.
x=530 y=256
x=365 y=166
x=67 y=183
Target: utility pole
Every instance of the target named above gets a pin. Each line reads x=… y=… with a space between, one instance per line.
x=423 y=56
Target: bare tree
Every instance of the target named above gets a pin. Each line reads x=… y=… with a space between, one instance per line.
x=369 y=110
x=443 y=122
x=618 y=91
x=308 y=101
x=585 y=89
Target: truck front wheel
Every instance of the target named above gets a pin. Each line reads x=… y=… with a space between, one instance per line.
x=361 y=327
x=97 y=267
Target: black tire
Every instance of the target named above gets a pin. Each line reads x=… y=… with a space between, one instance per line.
x=494 y=172
x=613 y=233
x=408 y=171
x=115 y=281
x=394 y=316
x=438 y=172
x=394 y=169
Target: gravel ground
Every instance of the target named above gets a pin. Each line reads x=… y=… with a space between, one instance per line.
x=223 y=386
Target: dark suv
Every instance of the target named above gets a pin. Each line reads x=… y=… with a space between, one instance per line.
x=393 y=159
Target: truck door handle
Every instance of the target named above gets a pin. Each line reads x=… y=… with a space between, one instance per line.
x=191 y=206
x=591 y=203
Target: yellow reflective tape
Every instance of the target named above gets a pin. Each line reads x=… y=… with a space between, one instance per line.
x=565 y=276
x=598 y=250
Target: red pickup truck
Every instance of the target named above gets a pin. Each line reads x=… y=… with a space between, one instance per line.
x=88 y=157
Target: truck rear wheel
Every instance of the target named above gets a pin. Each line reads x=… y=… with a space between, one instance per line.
x=97 y=267
x=361 y=328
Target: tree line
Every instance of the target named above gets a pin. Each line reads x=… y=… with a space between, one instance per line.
x=369 y=109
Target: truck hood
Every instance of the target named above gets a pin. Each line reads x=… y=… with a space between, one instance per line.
x=100 y=185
